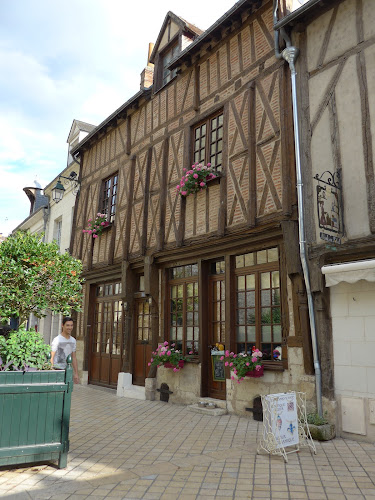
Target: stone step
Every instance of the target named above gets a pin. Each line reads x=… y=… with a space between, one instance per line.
x=216 y=412
x=220 y=403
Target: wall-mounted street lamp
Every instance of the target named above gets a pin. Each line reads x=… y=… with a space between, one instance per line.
x=59 y=190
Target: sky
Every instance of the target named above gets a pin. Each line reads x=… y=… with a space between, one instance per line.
x=62 y=60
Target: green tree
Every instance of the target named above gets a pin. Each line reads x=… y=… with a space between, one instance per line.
x=35 y=277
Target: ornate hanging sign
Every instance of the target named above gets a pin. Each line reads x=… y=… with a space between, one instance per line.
x=329 y=204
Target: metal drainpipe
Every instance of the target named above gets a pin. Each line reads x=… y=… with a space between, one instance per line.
x=290 y=55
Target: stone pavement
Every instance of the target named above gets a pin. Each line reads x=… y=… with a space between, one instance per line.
x=129 y=449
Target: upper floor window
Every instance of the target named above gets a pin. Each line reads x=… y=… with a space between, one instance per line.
x=208 y=141
x=166 y=58
x=109 y=197
x=57 y=231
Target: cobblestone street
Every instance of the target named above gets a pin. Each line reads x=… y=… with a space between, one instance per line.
x=129 y=449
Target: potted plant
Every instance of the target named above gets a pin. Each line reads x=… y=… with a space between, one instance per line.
x=166 y=355
x=195 y=179
x=320 y=428
x=97 y=225
x=34 y=399
x=244 y=364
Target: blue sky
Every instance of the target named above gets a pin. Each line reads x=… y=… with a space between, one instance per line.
x=67 y=59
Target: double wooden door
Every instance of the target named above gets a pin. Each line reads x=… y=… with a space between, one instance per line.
x=107 y=342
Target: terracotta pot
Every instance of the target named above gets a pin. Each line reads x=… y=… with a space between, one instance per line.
x=180 y=364
x=255 y=373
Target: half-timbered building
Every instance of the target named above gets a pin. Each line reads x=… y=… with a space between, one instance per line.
x=336 y=94
x=221 y=265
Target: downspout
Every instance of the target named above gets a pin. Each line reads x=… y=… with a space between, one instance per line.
x=290 y=55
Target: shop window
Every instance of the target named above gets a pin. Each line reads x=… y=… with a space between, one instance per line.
x=183 y=308
x=109 y=197
x=208 y=141
x=258 y=306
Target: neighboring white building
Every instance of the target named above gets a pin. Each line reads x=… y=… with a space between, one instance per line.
x=55 y=219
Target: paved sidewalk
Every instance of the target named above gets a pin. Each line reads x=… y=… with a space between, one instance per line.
x=129 y=449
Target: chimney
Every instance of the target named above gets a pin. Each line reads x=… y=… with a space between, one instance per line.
x=147 y=74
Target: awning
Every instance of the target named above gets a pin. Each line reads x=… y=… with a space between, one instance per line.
x=351 y=272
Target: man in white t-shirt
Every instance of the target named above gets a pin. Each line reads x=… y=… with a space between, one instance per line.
x=63 y=345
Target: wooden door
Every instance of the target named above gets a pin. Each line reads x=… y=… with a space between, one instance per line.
x=216 y=334
x=142 y=344
x=107 y=338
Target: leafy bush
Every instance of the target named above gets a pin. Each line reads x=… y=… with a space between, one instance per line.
x=24 y=350
x=315 y=419
x=34 y=277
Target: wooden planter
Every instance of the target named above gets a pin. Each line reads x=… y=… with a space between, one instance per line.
x=34 y=416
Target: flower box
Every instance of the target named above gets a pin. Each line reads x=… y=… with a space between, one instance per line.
x=169 y=365
x=256 y=373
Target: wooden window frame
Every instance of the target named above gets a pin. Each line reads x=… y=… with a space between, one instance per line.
x=256 y=270
x=105 y=207
x=175 y=42
x=185 y=281
x=208 y=143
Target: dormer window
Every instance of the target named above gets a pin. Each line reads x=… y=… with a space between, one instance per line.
x=166 y=58
x=175 y=35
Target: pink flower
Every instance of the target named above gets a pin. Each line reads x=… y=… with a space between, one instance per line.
x=254 y=359
x=169 y=353
x=208 y=164
x=202 y=184
x=190 y=352
x=95 y=236
x=232 y=354
x=178 y=187
x=175 y=369
x=83 y=230
x=184 y=193
x=226 y=363
x=230 y=364
x=94 y=230
x=184 y=169
x=238 y=381
x=89 y=220
x=232 y=377
x=172 y=345
x=195 y=176
x=98 y=214
x=198 y=169
x=247 y=364
x=258 y=367
x=235 y=356
x=89 y=231
x=102 y=224
x=152 y=359
x=149 y=364
x=166 y=342
x=221 y=358
x=226 y=353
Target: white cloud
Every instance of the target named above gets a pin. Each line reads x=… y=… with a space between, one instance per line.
x=65 y=60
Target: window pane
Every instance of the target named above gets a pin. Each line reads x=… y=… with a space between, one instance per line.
x=265 y=298
x=266 y=334
x=249 y=259
x=275 y=279
x=277 y=334
x=265 y=280
x=239 y=261
x=250 y=332
x=262 y=257
x=241 y=283
x=273 y=255
x=241 y=334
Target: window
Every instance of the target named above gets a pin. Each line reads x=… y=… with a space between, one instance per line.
x=166 y=58
x=57 y=231
x=208 y=142
x=258 y=308
x=108 y=323
x=183 y=308
x=109 y=195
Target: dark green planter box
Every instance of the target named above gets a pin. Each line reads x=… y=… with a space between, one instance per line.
x=34 y=416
